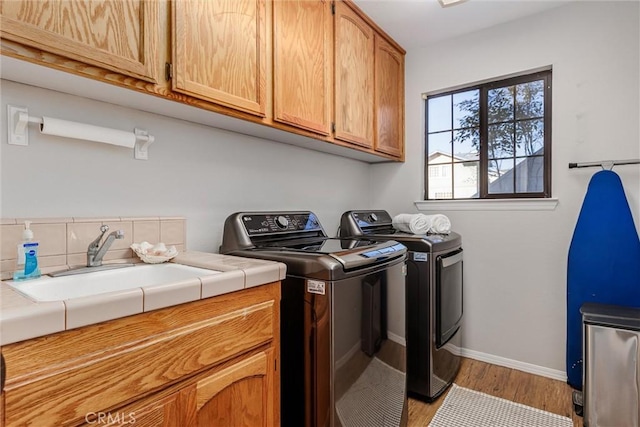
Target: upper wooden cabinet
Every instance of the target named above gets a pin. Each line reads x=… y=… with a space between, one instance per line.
x=121 y=36
x=354 y=74
x=389 y=99
x=219 y=52
x=320 y=69
x=302 y=56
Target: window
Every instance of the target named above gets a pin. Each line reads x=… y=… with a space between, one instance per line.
x=492 y=140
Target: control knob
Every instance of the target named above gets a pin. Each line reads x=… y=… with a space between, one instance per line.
x=282 y=222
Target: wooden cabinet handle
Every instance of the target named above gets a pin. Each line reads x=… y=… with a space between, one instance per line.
x=2 y=372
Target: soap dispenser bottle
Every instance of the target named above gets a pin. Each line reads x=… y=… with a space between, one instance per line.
x=27 y=262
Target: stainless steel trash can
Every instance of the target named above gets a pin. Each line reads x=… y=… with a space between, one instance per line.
x=611 y=373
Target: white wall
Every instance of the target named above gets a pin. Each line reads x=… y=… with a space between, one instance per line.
x=515 y=262
x=195 y=171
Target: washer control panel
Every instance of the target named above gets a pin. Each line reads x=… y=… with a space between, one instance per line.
x=280 y=222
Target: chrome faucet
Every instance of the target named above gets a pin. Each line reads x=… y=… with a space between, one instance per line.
x=95 y=252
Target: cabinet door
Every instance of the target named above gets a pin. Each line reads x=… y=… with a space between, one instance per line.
x=389 y=77
x=354 y=53
x=242 y=394
x=167 y=411
x=219 y=52
x=239 y=395
x=302 y=64
x=117 y=35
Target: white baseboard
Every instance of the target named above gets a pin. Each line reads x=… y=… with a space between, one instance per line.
x=476 y=355
x=514 y=364
x=396 y=338
x=345 y=358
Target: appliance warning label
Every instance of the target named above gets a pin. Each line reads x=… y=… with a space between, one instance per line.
x=316 y=287
x=420 y=256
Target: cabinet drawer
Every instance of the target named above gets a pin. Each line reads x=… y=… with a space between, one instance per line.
x=64 y=391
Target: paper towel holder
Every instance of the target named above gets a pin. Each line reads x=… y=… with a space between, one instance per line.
x=18 y=134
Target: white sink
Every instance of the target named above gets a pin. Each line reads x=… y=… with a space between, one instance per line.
x=48 y=288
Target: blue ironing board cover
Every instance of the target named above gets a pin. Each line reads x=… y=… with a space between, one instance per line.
x=604 y=260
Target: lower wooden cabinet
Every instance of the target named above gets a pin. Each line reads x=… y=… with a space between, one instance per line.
x=239 y=393
x=213 y=362
x=167 y=411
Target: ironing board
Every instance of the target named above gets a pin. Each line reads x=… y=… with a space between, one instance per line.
x=604 y=260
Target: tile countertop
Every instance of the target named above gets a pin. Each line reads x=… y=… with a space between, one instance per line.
x=22 y=319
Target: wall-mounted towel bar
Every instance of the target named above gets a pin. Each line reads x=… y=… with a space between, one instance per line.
x=604 y=164
x=18 y=119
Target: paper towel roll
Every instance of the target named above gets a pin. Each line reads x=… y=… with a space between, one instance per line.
x=67 y=129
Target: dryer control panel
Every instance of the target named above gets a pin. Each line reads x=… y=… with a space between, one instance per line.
x=359 y=223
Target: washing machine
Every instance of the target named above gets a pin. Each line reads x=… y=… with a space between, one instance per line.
x=434 y=289
x=342 y=300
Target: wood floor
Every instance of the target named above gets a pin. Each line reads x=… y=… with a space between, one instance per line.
x=528 y=389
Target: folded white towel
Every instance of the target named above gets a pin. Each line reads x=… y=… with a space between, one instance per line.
x=422 y=224
x=440 y=224
x=412 y=223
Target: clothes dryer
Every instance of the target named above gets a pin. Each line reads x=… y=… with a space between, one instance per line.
x=434 y=289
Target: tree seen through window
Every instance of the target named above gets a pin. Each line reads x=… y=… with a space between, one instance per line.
x=494 y=137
